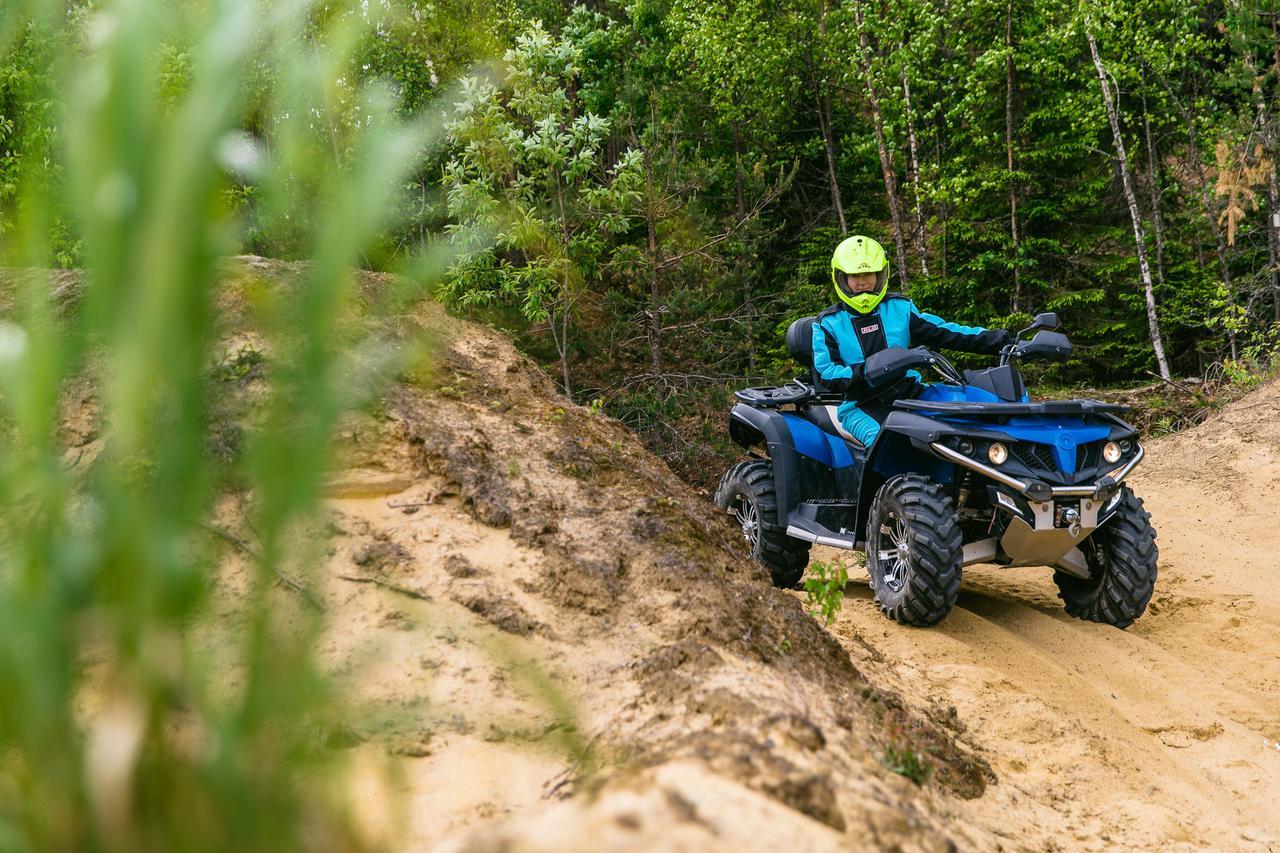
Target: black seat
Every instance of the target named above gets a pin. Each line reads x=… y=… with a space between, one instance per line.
x=800 y=341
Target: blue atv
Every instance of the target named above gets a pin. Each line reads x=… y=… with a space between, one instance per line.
x=966 y=471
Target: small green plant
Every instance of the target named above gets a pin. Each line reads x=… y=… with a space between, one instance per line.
x=905 y=761
x=1240 y=373
x=824 y=588
x=242 y=365
x=1163 y=426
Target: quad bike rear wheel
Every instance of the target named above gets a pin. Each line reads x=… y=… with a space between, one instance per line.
x=747 y=493
x=1122 y=558
x=914 y=551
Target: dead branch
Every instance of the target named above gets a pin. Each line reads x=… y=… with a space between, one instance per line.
x=394 y=587
x=1173 y=383
x=282 y=578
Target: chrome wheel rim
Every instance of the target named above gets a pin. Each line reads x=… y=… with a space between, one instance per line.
x=893 y=561
x=749 y=519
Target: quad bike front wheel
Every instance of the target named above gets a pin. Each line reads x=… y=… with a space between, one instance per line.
x=1122 y=558
x=914 y=551
x=747 y=493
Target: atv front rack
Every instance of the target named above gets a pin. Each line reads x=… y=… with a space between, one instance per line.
x=1048 y=407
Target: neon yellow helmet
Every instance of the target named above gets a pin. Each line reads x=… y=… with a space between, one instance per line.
x=860 y=254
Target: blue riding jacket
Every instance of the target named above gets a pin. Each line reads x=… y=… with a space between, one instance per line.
x=843 y=338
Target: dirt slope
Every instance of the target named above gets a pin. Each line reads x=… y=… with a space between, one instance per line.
x=492 y=539
x=496 y=555
x=720 y=716
x=1164 y=735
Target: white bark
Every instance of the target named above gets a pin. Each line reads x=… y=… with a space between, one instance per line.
x=1008 y=147
x=915 y=175
x=1126 y=179
x=886 y=164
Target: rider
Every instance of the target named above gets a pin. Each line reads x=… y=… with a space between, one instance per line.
x=868 y=319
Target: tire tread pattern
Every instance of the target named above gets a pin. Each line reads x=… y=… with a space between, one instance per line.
x=937 y=546
x=1123 y=591
x=784 y=556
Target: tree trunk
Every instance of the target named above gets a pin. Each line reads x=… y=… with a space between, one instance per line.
x=1211 y=214
x=886 y=165
x=823 y=105
x=915 y=174
x=1273 y=240
x=564 y=347
x=822 y=99
x=1273 y=192
x=748 y=298
x=1157 y=192
x=562 y=341
x=653 y=316
x=1008 y=147
x=944 y=210
x=1126 y=179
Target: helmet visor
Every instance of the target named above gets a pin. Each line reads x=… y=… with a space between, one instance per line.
x=855 y=283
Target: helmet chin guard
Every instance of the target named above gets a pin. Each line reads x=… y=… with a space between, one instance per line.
x=859 y=254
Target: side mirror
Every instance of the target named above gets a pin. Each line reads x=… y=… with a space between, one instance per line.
x=1047 y=321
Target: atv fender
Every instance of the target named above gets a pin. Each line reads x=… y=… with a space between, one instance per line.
x=751 y=427
x=809 y=464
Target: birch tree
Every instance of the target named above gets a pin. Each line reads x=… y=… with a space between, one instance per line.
x=1131 y=199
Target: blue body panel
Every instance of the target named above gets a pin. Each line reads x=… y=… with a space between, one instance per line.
x=1060 y=434
x=818 y=445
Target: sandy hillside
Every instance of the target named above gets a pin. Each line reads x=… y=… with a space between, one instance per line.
x=516 y=541
x=556 y=645
x=534 y=545
x=511 y=581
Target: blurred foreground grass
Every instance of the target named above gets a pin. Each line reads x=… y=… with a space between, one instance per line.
x=115 y=732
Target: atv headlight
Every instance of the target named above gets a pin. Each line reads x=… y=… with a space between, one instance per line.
x=1111 y=452
x=997 y=453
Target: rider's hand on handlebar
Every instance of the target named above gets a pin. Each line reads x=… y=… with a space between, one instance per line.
x=888 y=365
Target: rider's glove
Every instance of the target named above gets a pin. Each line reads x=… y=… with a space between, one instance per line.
x=1003 y=338
x=887 y=366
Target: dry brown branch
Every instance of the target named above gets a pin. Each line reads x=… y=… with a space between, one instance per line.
x=284 y=579
x=394 y=587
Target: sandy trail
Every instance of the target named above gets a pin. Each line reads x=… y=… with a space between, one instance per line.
x=1162 y=735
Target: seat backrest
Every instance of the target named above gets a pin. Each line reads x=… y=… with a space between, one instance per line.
x=800 y=341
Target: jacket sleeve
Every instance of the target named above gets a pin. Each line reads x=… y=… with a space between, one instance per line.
x=933 y=331
x=831 y=369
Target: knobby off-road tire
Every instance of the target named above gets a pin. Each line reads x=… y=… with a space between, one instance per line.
x=747 y=493
x=914 y=551
x=1122 y=558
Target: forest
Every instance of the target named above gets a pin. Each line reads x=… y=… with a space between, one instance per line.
x=647 y=193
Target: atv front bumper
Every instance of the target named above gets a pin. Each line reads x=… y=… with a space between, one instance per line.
x=1101 y=490
x=1036 y=534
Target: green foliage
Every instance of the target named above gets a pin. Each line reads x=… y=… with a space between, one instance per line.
x=243 y=364
x=134 y=715
x=527 y=170
x=824 y=585
x=906 y=761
